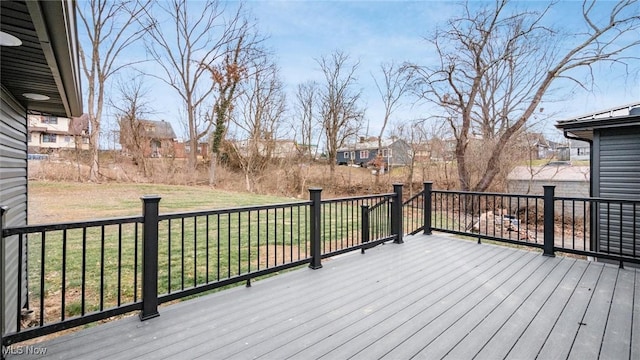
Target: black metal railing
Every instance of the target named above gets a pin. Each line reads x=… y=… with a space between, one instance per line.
x=603 y=228
x=81 y=272
x=65 y=277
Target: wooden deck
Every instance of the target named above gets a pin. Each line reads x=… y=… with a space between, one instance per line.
x=432 y=297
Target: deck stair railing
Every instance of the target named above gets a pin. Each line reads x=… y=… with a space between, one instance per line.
x=76 y=273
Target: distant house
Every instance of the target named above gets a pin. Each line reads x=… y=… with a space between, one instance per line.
x=394 y=152
x=152 y=138
x=579 y=150
x=615 y=164
x=182 y=149
x=49 y=133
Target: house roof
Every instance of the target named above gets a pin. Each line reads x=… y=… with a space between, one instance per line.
x=158 y=129
x=582 y=129
x=367 y=145
x=47 y=61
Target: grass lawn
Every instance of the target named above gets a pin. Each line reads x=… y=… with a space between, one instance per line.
x=66 y=201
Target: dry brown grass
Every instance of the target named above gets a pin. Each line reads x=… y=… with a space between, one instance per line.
x=281 y=178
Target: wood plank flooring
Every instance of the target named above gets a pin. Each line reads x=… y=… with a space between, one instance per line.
x=433 y=297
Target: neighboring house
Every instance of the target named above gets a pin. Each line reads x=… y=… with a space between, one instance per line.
x=615 y=165
x=579 y=150
x=52 y=133
x=153 y=138
x=394 y=152
x=39 y=73
x=182 y=149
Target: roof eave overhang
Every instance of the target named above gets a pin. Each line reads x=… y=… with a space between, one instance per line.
x=55 y=24
x=583 y=129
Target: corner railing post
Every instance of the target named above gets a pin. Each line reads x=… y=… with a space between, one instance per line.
x=396 y=214
x=365 y=225
x=549 y=223
x=3 y=210
x=426 y=204
x=315 y=223
x=150 y=257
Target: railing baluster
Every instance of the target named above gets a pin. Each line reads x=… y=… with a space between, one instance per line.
x=119 y=300
x=63 y=282
x=101 y=268
x=239 y=245
x=182 y=255
x=19 y=296
x=206 y=249
x=218 y=246
x=267 y=238
x=135 y=266
x=169 y=256
x=228 y=245
x=195 y=251
x=249 y=242
x=84 y=270
x=258 y=266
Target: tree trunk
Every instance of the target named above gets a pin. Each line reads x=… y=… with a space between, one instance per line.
x=212 y=169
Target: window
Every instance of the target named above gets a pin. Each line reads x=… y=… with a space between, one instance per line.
x=29 y=138
x=52 y=120
x=386 y=153
x=48 y=138
x=67 y=138
x=364 y=154
x=346 y=154
x=583 y=151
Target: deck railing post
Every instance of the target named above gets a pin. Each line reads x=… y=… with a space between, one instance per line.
x=150 y=214
x=426 y=204
x=315 y=223
x=365 y=225
x=3 y=210
x=549 y=223
x=396 y=214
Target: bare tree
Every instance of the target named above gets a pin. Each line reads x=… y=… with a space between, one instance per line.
x=340 y=113
x=111 y=28
x=497 y=66
x=395 y=85
x=305 y=123
x=198 y=57
x=261 y=105
x=132 y=106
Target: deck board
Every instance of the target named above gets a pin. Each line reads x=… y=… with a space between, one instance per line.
x=494 y=338
x=617 y=337
x=432 y=297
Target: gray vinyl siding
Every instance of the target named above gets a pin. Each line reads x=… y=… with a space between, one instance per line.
x=13 y=194
x=618 y=165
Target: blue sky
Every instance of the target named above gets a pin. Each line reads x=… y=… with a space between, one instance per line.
x=381 y=31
